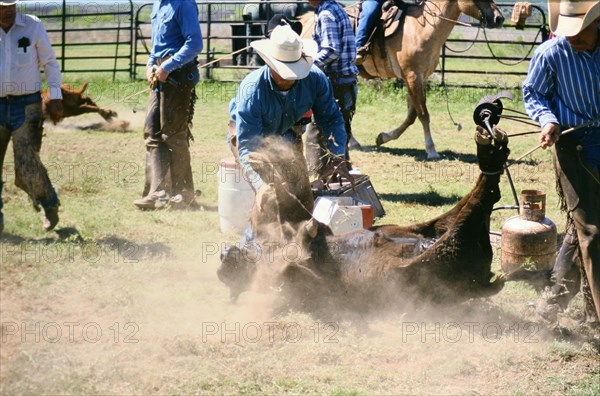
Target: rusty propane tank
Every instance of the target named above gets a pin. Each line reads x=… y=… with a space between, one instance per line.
x=530 y=238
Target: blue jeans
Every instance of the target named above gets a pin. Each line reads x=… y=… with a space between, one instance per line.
x=21 y=120
x=371 y=10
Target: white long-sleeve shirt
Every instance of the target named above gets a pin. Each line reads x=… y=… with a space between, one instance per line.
x=24 y=50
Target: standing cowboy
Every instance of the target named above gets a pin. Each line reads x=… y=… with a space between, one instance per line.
x=561 y=91
x=172 y=72
x=25 y=48
x=336 y=57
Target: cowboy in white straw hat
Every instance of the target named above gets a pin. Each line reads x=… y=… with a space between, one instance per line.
x=562 y=91
x=286 y=54
x=568 y=18
x=271 y=100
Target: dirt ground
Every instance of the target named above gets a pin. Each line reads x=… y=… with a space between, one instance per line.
x=120 y=301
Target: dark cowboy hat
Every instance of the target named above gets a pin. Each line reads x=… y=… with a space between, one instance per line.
x=280 y=19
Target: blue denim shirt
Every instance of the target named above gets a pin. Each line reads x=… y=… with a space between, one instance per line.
x=259 y=109
x=175 y=32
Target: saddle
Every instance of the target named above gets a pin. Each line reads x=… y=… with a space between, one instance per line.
x=392 y=17
x=392 y=13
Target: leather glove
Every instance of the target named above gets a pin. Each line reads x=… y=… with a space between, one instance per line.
x=337 y=166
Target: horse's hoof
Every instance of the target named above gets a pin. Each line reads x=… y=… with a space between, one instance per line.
x=379 y=141
x=433 y=156
x=354 y=144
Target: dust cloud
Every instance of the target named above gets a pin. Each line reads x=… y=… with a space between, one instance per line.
x=128 y=120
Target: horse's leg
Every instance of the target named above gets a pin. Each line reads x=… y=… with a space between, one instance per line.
x=415 y=85
x=417 y=91
x=385 y=137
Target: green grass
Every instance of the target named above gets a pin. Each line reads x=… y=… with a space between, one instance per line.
x=150 y=276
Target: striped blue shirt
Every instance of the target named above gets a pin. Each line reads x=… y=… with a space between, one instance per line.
x=562 y=85
x=337 y=45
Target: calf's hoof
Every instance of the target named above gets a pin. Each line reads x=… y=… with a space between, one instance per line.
x=108 y=115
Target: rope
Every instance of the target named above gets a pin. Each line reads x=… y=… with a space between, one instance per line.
x=456 y=124
x=469 y=47
x=487 y=41
x=523 y=133
x=517 y=111
x=522 y=120
x=436 y=15
x=199 y=67
x=584 y=125
x=223 y=57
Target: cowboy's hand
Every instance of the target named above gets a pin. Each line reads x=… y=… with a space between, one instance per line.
x=265 y=198
x=161 y=74
x=55 y=110
x=549 y=136
x=150 y=73
x=337 y=165
x=151 y=76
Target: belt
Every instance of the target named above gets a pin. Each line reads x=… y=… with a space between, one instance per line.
x=162 y=60
x=188 y=65
x=27 y=98
x=338 y=75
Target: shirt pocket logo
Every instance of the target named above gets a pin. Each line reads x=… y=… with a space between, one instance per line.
x=24 y=52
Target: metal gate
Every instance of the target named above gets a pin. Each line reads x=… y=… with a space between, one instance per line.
x=88 y=36
x=475 y=57
x=472 y=56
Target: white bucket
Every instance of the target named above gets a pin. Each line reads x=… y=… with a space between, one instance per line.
x=236 y=197
x=339 y=213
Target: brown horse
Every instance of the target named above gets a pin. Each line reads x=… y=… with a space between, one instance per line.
x=413 y=53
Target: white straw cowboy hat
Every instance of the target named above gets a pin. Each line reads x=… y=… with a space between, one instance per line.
x=287 y=54
x=568 y=18
x=7 y=3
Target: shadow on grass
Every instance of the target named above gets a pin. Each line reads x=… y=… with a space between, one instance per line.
x=530 y=162
x=421 y=155
x=430 y=198
x=129 y=250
